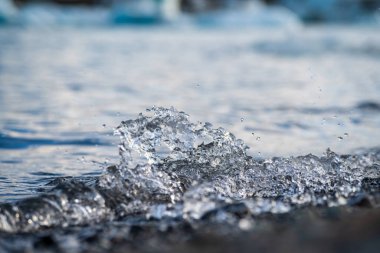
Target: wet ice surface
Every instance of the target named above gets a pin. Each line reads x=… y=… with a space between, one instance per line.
x=286 y=93
x=181 y=175
x=173 y=168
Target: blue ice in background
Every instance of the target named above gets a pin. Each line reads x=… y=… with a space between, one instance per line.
x=200 y=12
x=8 y=12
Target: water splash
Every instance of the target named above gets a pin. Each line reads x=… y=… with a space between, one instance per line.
x=173 y=168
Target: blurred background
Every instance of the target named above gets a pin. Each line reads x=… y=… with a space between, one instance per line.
x=289 y=77
x=129 y=11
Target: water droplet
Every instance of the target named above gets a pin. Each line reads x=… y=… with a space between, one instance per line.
x=258 y=138
x=345 y=134
x=340 y=138
x=82 y=159
x=104 y=125
x=245 y=224
x=241 y=119
x=253 y=133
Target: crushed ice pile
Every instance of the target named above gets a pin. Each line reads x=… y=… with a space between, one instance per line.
x=173 y=168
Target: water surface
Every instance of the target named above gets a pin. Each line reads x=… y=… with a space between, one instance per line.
x=284 y=91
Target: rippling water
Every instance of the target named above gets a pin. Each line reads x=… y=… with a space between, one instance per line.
x=283 y=91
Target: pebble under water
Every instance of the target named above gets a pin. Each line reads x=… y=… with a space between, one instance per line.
x=182 y=174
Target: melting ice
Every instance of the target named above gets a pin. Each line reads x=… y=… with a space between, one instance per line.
x=171 y=167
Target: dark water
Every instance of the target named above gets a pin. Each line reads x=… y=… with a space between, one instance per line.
x=288 y=93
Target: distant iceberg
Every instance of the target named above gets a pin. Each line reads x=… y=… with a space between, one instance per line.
x=237 y=14
x=8 y=12
x=334 y=10
x=47 y=15
x=251 y=14
x=144 y=11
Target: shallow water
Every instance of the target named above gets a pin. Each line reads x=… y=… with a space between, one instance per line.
x=283 y=91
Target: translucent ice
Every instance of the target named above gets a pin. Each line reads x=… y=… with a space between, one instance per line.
x=171 y=167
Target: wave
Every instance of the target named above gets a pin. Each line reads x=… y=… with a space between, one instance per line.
x=171 y=168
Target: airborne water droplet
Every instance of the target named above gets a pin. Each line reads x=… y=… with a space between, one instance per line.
x=340 y=138
x=241 y=119
x=245 y=224
x=258 y=138
x=346 y=134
